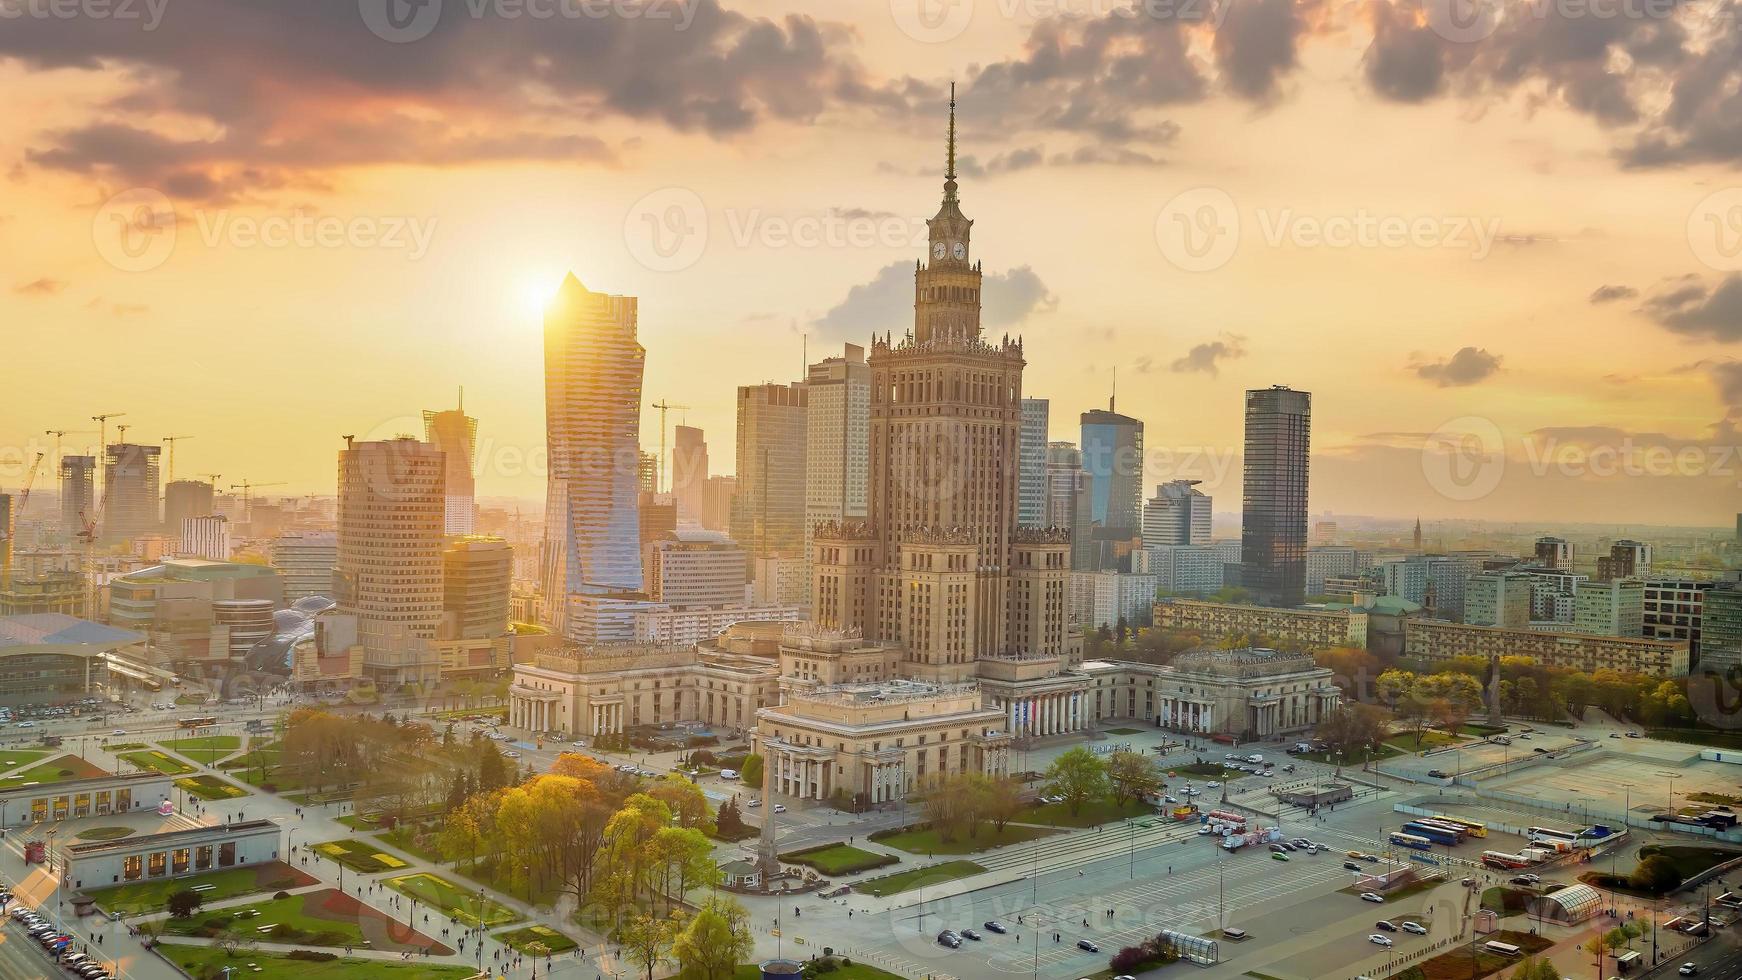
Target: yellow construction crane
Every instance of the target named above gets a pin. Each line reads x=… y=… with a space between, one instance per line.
x=248 y=497
x=170 y=441
x=664 y=467
x=12 y=515
x=61 y=433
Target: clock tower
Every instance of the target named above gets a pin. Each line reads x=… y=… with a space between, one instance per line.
x=946 y=286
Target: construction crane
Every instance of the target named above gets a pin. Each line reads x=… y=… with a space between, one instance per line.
x=61 y=433
x=12 y=516
x=121 y=432
x=170 y=441
x=664 y=468
x=248 y=497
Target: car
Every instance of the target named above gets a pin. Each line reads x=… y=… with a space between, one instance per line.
x=995 y=926
x=949 y=940
x=780 y=808
x=1370 y=858
x=1169 y=799
x=1124 y=976
x=1193 y=792
x=1287 y=846
x=1385 y=925
x=728 y=774
x=1539 y=749
x=1300 y=842
x=1276 y=848
x=1614 y=734
x=1357 y=855
x=1212 y=784
x=1373 y=897
x=27 y=724
x=1415 y=928
x=1688 y=969
x=1526 y=879
x=971 y=934
x=754 y=802
x=1468 y=883
x=1205 y=830
x=1634 y=735
x=1087 y=947
x=1288 y=768
x=511 y=755
x=1267 y=774
x=1378 y=940
x=118 y=732
x=579 y=743
x=1279 y=857
x=1351 y=866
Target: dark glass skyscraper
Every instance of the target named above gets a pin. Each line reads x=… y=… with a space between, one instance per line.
x=1113 y=457
x=1274 y=520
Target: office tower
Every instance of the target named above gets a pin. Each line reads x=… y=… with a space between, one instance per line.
x=656 y=520
x=456 y=434
x=1626 y=559
x=768 y=513
x=1556 y=553
x=1325 y=532
x=1179 y=513
x=647 y=473
x=1068 y=488
x=1112 y=446
x=1498 y=598
x=1031 y=485
x=306 y=560
x=717 y=497
x=1327 y=562
x=837 y=439
x=689 y=473
x=392 y=507
x=130 y=490
x=932 y=568
x=8 y=529
x=1675 y=610
x=688 y=569
x=1190 y=569
x=592 y=381
x=1611 y=608
x=205 y=537
x=1433 y=581
x=77 y=492
x=477 y=574
x=1274 y=505
x=185 y=499
x=1721 y=626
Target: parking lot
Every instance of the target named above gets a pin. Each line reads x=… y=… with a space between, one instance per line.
x=1604 y=782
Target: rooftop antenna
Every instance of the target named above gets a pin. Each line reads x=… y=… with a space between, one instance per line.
x=1113 y=399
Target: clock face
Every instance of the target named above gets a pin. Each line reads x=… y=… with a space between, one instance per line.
x=961 y=251
x=937 y=250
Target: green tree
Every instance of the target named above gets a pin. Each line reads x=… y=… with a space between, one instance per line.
x=729 y=821
x=1079 y=776
x=184 y=903
x=752 y=772
x=684 y=798
x=1656 y=874
x=1131 y=776
x=715 y=941
x=646 y=939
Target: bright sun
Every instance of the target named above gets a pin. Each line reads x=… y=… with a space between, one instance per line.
x=534 y=295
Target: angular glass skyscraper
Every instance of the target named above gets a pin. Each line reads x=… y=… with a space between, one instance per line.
x=1031 y=464
x=1274 y=519
x=592 y=397
x=1113 y=457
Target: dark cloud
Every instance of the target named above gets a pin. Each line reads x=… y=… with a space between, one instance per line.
x=1609 y=294
x=1727 y=376
x=1405 y=61
x=1206 y=358
x=41 y=287
x=886 y=304
x=1468 y=366
x=1688 y=305
x=1255 y=44
x=862 y=214
x=1030 y=157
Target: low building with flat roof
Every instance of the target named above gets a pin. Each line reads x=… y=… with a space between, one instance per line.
x=1250 y=693
x=99 y=796
x=192 y=850
x=1433 y=640
x=50 y=658
x=1322 y=627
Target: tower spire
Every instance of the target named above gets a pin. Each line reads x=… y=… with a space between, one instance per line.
x=950 y=165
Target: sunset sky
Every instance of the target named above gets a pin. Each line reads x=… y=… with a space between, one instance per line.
x=1151 y=192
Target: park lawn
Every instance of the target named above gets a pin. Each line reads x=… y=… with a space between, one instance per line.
x=208 y=787
x=203 y=962
x=151 y=896
x=326 y=917
x=521 y=940
x=1506 y=900
x=52 y=771
x=457 y=902
x=1455 y=964
x=902 y=881
x=158 y=761
x=1719 y=798
x=103 y=833
x=13 y=758
x=1689 y=860
x=360 y=856
x=839 y=859
x=404 y=838
x=1090 y=814
x=927 y=841
x=1360 y=758
x=1406 y=741
x=204 y=749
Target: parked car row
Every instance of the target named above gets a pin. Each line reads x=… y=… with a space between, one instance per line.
x=56 y=943
x=952 y=938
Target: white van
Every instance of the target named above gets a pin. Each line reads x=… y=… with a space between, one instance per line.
x=1255 y=759
x=728 y=774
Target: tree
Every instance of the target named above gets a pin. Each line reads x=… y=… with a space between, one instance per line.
x=1351 y=727
x=236 y=938
x=1003 y=801
x=716 y=940
x=1078 y=776
x=682 y=858
x=729 y=821
x=646 y=939
x=184 y=903
x=752 y=772
x=1656 y=874
x=684 y=798
x=1132 y=776
x=1393 y=686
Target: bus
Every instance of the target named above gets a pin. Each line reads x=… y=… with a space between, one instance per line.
x=1438 y=835
x=1226 y=818
x=1504 y=861
x=1471 y=827
x=205 y=721
x=1412 y=841
x=1499 y=948
x=1550 y=833
x=1450 y=828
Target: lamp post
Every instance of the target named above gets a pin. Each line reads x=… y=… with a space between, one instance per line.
x=1672 y=777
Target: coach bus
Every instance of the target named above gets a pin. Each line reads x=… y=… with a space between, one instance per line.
x=1504 y=861
x=1502 y=949
x=1550 y=833
x=1438 y=835
x=1471 y=827
x=1450 y=828
x=1411 y=841
x=204 y=721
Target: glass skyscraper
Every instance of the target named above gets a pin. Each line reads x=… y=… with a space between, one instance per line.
x=1274 y=518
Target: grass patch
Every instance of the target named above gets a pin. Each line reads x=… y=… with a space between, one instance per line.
x=360 y=856
x=1358 y=758
x=322 y=918
x=53 y=771
x=1688 y=860
x=903 y=881
x=190 y=700
x=1204 y=770
x=839 y=859
x=104 y=833
x=150 y=896
x=1092 y=813
x=1507 y=900
x=418 y=840
x=205 y=749
x=1455 y=963
x=522 y=940
x=1698 y=736
x=208 y=963
x=1427 y=740
x=1721 y=798
x=13 y=758
x=457 y=902
x=122 y=746
x=923 y=840
x=158 y=761
x=208 y=787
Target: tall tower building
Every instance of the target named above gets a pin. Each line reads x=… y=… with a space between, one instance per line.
x=456 y=434
x=689 y=472
x=1031 y=484
x=1274 y=508
x=305 y=560
x=768 y=511
x=78 y=502
x=205 y=537
x=1113 y=454
x=477 y=572
x=1554 y=553
x=1626 y=559
x=1068 y=488
x=837 y=439
x=185 y=500
x=592 y=381
x=392 y=504
x=1178 y=514
x=130 y=491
